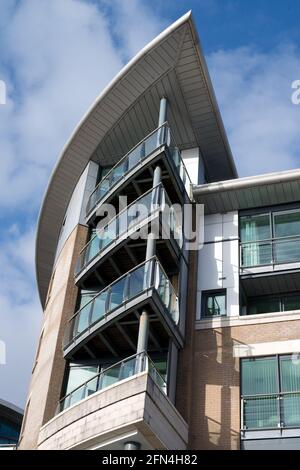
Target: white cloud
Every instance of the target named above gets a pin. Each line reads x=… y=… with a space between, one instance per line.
x=254 y=94
x=56 y=57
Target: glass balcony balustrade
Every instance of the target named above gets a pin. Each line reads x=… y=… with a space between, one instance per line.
x=271 y=251
x=154 y=201
x=148 y=275
x=151 y=143
x=122 y=370
x=271 y=411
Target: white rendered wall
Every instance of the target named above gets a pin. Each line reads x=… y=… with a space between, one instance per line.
x=194 y=164
x=76 y=209
x=218 y=260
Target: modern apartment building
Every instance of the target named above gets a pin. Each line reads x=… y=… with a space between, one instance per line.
x=147 y=342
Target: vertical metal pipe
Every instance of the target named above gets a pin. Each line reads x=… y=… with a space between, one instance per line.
x=161 y=119
x=143 y=333
x=156 y=176
x=162 y=111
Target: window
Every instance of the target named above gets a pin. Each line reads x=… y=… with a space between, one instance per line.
x=269 y=303
x=270 y=389
x=273 y=237
x=214 y=303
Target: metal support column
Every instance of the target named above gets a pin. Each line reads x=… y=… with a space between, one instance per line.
x=161 y=119
x=132 y=445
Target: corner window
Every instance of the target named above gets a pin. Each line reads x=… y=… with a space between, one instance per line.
x=270 y=238
x=214 y=303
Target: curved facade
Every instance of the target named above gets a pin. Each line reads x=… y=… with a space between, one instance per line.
x=111 y=254
x=146 y=343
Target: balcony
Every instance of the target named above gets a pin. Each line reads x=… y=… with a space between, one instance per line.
x=144 y=153
x=270 y=252
x=118 y=372
x=154 y=204
x=271 y=411
x=127 y=401
x=146 y=284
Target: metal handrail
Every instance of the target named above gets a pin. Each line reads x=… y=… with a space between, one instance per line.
x=110 y=285
x=104 y=371
x=165 y=125
x=119 y=214
x=279 y=396
x=153 y=261
x=157 y=206
x=271 y=242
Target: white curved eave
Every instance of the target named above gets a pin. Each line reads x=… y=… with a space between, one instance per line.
x=171 y=65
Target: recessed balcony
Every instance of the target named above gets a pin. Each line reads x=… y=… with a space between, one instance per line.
x=270 y=241
x=145 y=285
x=276 y=251
x=149 y=150
x=130 y=227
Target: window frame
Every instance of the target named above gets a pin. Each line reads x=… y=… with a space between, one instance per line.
x=280 y=394
x=272 y=212
x=210 y=293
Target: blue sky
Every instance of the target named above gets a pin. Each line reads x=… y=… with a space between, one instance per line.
x=56 y=56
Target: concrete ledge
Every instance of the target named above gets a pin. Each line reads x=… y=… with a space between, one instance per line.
x=245 y=320
x=136 y=403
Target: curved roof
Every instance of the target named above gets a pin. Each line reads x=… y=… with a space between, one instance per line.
x=171 y=66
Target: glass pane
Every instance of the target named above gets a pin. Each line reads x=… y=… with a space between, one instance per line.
x=92 y=249
x=76 y=396
x=103 y=189
x=99 y=307
x=151 y=143
x=127 y=369
x=110 y=376
x=287 y=225
x=215 y=304
x=287 y=251
x=291 y=303
x=116 y=174
x=86 y=297
x=261 y=412
x=161 y=366
x=259 y=376
x=136 y=282
x=290 y=373
x=255 y=254
x=117 y=294
x=82 y=320
x=79 y=374
x=291 y=409
x=135 y=157
x=163 y=288
x=139 y=211
x=255 y=227
x=263 y=305
x=91 y=387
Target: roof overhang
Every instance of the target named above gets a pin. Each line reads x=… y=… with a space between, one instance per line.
x=250 y=192
x=171 y=66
